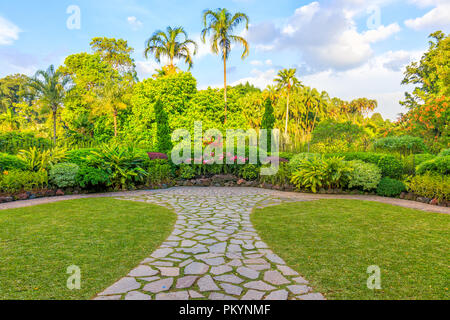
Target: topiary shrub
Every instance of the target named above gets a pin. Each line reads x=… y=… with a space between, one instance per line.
x=64 y=175
x=390 y=187
x=92 y=178
x=365 y=176
x=439 y=165
x=10 y=162
x=422 y=157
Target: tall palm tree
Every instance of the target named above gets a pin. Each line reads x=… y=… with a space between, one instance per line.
x=220 y=24
x=173 y=44
x=51 y=87
x=287 y=81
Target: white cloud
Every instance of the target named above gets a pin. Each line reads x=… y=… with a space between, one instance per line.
x=260 y=79
x=146 y=68
x=436 y=18
x=9 y=32
x=326 y=36
x=134 y=23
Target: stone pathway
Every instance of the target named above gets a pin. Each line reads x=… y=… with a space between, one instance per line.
x=213 y=253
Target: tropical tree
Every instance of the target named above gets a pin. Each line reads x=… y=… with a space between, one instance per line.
x=11 y=119
x=287 y=81
x=220 y=24
x=112 y=96
x=51 y=87
x=173 y=44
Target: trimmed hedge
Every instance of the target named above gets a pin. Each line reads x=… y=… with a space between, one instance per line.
x=439 y=165
x=10 y=162
x=390 y=187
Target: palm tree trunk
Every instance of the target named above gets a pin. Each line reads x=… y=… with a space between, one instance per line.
x=115 y=123
x=54 y=126
x=225 y=82
x=287 y=113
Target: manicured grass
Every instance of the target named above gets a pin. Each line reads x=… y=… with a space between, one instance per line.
x=106 y=238
x=332 y=243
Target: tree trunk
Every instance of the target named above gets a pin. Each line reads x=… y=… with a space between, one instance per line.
x=115 y=123
x=225 y=82
x=54 y=126
x=287 y=113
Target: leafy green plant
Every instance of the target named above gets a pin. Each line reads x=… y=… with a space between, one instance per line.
x=13 y=142
x=390 y=187
x=282 y=177
x=16 y=180
x=64 y=175
x=339 y=172
x=422 y=157
x=186 y=172
x=311 y=174
x=159 y=171
x=298 y=158
x=90 y=177
x=123 y=164
x=36 y=159
x=249 y=172
x=10 y=162
x=431 y=186
x=439 y=165
x=445 y=152
x=365 y=176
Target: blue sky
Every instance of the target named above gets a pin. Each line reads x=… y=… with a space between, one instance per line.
x=350 y=48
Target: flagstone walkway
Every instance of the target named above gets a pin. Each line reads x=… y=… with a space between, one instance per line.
x=213 y=253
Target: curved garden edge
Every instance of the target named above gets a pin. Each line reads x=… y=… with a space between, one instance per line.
x=295 y=195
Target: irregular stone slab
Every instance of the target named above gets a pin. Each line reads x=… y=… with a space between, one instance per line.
x=277 y=295
x=231 y=289
x=196 y=268
x=231 y=278
x=142 y=271
x=149 y=279
x=248 y=273
x=207 y=284
x=108 y=297
x=253 y=295
x=161 y=253
x=235 y=263
x=180 y=295
x=214 y=261
x=188 y=243
x=158 y=286
x=136 y=295
x=220 y=296
x=259 y=285
x=186 y=282
x=220 y=269
x=218 y=247
x=169 y=272
x=274 y=258
x=122 y=286
x=301 y=280
x=287 y=271
x=274 y=277
x=259 y=267
x=299 y=289
x=311 y=296
x=195 y=295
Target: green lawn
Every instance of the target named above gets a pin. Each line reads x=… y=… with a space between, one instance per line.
x=332 y=242
x=106 y=238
